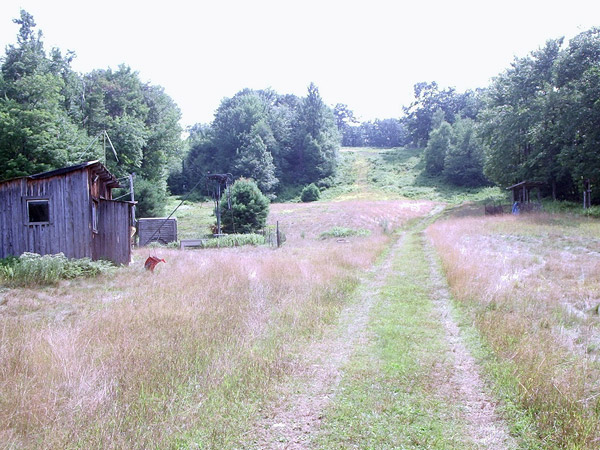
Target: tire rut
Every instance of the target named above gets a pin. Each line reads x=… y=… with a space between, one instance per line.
x=465 y=386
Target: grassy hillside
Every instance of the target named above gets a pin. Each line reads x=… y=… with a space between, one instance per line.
x=397 y=173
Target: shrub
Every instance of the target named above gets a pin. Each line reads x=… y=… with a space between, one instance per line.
x=31 y=269
x=235 y=240
x=310 y=193
x=249 y=208
x=338 y=232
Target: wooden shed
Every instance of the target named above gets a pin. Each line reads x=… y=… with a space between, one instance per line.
x=157 y=229
x=522 y=198
x=68 y=210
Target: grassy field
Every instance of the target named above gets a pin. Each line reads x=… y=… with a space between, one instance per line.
x=189 y=353
x=182 y=355
x=531 y=285
x=192 y=355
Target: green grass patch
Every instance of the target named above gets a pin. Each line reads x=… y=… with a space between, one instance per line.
x=387 y=398
x=341 y=232
x=504 y=386
x=566 y=207
x=194 y=219
x=234 y=240
x=231 y=406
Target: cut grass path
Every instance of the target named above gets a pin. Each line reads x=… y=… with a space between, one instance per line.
x=292 y=420
x=414 y=385
x=394 y=374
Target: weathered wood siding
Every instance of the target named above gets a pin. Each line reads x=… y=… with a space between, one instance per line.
x=148 y=231
x=69 y=227
x=113 y=239
x=98 y=187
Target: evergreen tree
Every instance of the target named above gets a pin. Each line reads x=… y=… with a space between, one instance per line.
x=310 y=193
x=50 y=116
x=249 y=208
x=317 y=139
x=244 y=140
x=277 y=140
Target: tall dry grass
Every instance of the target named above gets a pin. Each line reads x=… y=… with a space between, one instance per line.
x=532 y=285
x=305 y=221
x=187 y=354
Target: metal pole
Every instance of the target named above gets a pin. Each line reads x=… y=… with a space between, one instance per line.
x=132 y=196
x=218 y=210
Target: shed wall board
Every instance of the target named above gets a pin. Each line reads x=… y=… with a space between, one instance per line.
x=113 y=242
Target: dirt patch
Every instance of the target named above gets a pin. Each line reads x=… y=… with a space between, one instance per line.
x=465 y=386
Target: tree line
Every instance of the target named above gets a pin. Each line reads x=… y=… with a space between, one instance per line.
x=537 y=120
x=280 y=141
x=51 y=116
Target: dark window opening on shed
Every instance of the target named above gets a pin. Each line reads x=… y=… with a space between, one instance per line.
x=38 y=211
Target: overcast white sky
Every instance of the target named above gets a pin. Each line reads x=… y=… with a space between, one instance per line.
x=367 y=54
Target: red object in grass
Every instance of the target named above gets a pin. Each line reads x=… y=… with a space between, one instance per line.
x=151 y=263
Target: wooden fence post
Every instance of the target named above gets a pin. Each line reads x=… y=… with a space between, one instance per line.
x=278 y=239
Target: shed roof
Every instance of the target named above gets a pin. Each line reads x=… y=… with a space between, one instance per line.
x=97 y=166
x=526 y=184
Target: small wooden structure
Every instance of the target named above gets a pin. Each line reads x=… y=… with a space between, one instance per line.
x=185 y=243
x=68 y=210
x=157 y=230
x=521 y=195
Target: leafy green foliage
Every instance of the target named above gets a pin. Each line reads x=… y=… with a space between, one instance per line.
x=456 y=152
x=463 y=163
x=142 y=122
x=50 y=117
x=36 y=130
x=151 y=197
x=310 y=193
x=279 y=141
x=541 y=116
x=341 y=232
x=429 y=99
x=437 y=147
x=249 y=208
x=381 y=133
x=31 y=269
x=235 y=240
x=317 y=140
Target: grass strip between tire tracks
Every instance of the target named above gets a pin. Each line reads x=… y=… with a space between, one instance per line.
x=388 y=398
